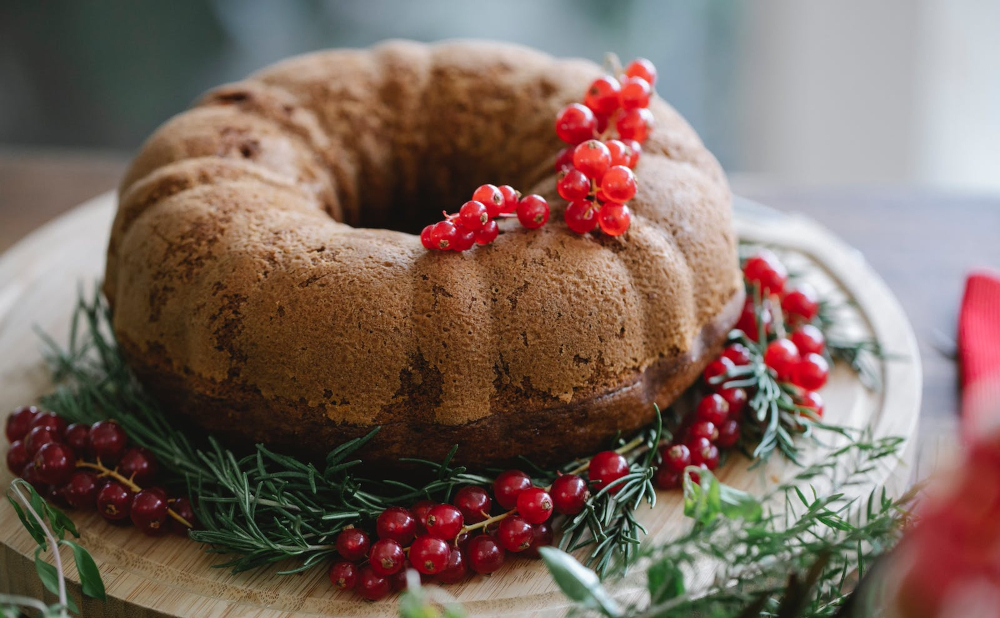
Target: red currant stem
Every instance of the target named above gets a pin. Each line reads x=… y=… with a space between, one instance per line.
x=507 y=215
x=486 y=522
x=128 y=482
x=779 y=317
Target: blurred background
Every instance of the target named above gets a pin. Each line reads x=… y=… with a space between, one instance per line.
x=801 y=93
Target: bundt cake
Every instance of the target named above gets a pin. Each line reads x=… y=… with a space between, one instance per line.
x=267 y=283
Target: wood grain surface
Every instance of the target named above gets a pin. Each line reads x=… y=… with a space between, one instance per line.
x=174 y=577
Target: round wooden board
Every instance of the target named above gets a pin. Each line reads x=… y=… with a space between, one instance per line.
x=39 y=282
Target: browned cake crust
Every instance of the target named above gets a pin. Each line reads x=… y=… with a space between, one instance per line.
x=253 y=294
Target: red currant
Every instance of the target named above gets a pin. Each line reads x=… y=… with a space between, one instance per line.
x=473 y=214
x=442 y=235
x=809 y=340
x=420 y=511
x=738 y=353
x=676 y=458
x=19 y=422
x=386 y=557
x=139 y=464
x=640 y=67
x=17 y=457
x=484 y=553
x=614 y=218
x=488 y=234
x=574 y=185
x=715 y=372
x=54 y=463
x=50 y=420
x=492 y=198
x=781 y=355
x=569 y=494
x=114 y=501
x=425 y=237
x=602 y=124
x=533 y=211
x=371 y=585
x=542 y=536
x=39 y=437
x=703 y=452
x=107 y=441
x=811 y=372
x=618 y=184
x=80 y=492
x=76 y=437
x=801 y=303
x=515 y=533
x=429 y=555
x=713 y=409
x=592 y=158
x=607 y=467
x=729 y=434
x=634 y=93
x=748 y=320
x=575 y=123
x=396 y=523
x=464 y=238
x=149 y=512
x=508 y=485
x=353 y=544
x=564 y=162
x=766 y=271
x=666 y=479
x=635 y=124
x=534 y=505
x=602 y=96
x=620 y=153
x=343 y=575
x=736 y=398
x=444 y=521
x=30 y=475
x=634 y=150
x=705 y=429
x=581 y=216
x=812 y=401
x=182 y=506
x=512 y=196
x=474 y=503
x=455 y=571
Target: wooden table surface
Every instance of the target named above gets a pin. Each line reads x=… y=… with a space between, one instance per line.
x=923 y=243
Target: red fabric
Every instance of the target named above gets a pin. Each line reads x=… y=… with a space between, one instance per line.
x=979 y=354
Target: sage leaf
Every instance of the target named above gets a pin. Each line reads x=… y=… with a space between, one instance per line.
x=90 y=576
x=578 y=582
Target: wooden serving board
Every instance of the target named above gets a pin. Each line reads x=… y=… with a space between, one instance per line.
x=172 y=576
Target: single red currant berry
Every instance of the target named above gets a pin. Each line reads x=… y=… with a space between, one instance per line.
x=748 y=320
x=811 y=372
x=703 y=452
x=736 y=399
x=455 y=571
x=107 y=441
x=50 y=420
x=704 y=429
x=620 y=153
x=607 y=467
x=738 y=353
x=676 y=457
x=801 y=303
x=575 y=123
x=114 y=501
x=371 y=585
x=464 y=239
x=592 y=158
x=474 y=503
x=713 y=409
x=715 y=372
x=420 y=511
x=444 y=521
x=564 y=162
x=343 y=575
x=614 y=218
x=386 y=556
x=766 y=271
x=353 y=544
x=182 y=506
x=515 y=534
x=533 y=211
x=809 y=340
x=473 y=214
x=512 y=196
x=492 y=198
x=811 y=401
x=534 y=505
x=635 y=149
x=19 y=422
x=17 y=457
x=781 y=355
x=634 y=93
x=76 y=437
x=508 y=485
x=425 y=237
x=729 y=434
x=574 y=185
x=139 y=464
x=54 y=463
x=569 y=494
x=581 y=217
x=485 y=554
x=602 y=96
x=488 y=234
x=149 y=512
x=38 y=437
x=635 y=124
x=429 y=555
x=640 y=67
x=442 y=235
x=80 y=492
x=396 y=523
x=30 y=475
x=542 y=536
x=666 y=479
x=618 y=184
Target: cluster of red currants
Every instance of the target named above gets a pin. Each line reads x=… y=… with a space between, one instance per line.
x=447 y=542
x=605 y=136
x=68 y=464
x=475 y=222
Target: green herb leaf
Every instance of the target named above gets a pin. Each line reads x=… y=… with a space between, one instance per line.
x=578 y=582
x=29 y=523
x=665 y=581
x=90 y=576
